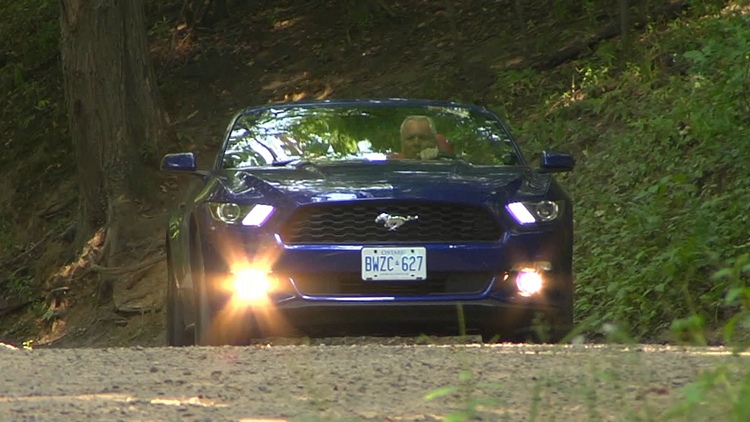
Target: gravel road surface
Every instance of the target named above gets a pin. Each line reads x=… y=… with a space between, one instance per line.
x=361 y=382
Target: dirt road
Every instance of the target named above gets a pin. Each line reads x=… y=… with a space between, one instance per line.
x=360 y=382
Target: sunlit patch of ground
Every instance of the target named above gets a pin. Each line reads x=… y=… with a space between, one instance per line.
x=740 y=7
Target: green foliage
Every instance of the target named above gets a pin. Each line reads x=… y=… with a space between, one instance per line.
x=30 y=41
x=590 y=9
x=21 y=286
x=662 y=188
x=33 y=114
x=466 y=392
x=719 y=394
x=31 y=34
x=735 y=276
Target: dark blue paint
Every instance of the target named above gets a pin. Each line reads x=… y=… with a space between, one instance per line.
x=375 y=180
x=182 y=161
x=555 y=162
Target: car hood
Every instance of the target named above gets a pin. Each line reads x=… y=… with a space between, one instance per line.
x=454 y=181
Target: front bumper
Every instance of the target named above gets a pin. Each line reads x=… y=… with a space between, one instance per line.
x=493 y=303
x=450 y=316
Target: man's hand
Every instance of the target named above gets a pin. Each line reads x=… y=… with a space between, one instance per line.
x=428 y=153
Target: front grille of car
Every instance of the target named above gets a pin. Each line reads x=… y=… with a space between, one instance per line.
x=354 y=222
x=334 y=284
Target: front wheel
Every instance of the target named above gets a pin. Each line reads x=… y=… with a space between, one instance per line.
x=177 y=334
x=214 y=325
x=219 y=327
x=542 y=328
x=548 y=326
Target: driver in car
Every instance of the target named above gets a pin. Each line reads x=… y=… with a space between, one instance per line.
x=420 y=140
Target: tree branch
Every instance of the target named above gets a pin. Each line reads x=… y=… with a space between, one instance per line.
x=129 y=269
x=11 y=261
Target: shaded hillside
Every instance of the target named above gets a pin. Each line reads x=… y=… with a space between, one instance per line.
x=653 y=124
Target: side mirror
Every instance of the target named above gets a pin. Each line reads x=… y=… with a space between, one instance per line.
x=556 y=162
x=182 y=161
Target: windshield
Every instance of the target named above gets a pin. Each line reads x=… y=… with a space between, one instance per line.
x=286 y=135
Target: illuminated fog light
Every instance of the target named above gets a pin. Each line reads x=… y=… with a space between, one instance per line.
x=522 y=214
x=258 y=215
x=251 y=285
x=529 y=282
x=228 y=213
x=547 y=210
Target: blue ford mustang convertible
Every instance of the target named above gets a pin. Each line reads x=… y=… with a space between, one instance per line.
x=333 y=216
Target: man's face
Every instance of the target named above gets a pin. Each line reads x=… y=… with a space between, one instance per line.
x=416 y=136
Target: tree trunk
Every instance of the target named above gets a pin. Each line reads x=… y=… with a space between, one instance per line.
x=114 y=113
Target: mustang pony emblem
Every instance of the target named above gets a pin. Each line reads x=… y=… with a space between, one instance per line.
x=392 y=222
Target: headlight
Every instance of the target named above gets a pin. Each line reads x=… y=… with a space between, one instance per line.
x=228 y=213
x=247 y=215
x=529 y=282
x=535 y=212
x=251 y=285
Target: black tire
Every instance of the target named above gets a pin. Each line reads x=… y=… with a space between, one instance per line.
x=177 y=333
x=493 y=335
x=204 y=320
x=211 y=327
x=547 y=332
x=204 y=316
x=563 y=323
x=214 y=329
x=548 y=327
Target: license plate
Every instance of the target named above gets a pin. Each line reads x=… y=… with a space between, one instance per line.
x=394 y=263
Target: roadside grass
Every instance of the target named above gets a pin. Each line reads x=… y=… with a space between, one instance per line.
x=615 y=386
x=719 y=394
x=612 y=388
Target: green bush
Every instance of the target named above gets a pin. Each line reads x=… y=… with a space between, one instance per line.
x=29 y=66
x=662 y=188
